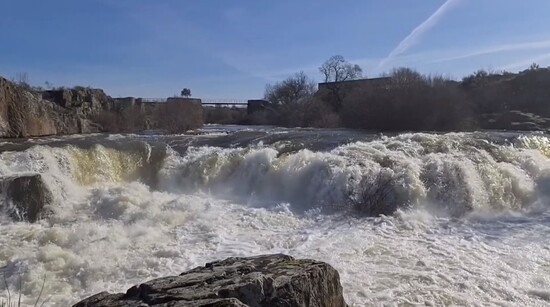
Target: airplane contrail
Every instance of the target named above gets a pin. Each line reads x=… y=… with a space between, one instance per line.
x=527 y=62
x=497 y=49
x=414 y=37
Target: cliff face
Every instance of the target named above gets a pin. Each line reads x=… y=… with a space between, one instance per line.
x=24 y=114
x=27 y=114
x=86 y=102
x=4 y=124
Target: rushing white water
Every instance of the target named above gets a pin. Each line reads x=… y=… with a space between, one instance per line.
x=471 y=228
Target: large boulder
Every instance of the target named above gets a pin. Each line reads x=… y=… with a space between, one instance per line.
x=25 y=197
x=269 y=280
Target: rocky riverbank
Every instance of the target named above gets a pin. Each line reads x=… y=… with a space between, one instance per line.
x=269 y=280
x=26 y=112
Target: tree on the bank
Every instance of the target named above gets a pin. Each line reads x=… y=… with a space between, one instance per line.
x=335 y=71
x=292 y=90
x=186 y=93
x=534 y=66
x=294 y=104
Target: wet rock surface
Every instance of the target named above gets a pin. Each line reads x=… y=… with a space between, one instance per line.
x=26 y=197
x=268 y=280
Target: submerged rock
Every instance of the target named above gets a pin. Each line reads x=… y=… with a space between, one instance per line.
x=269 y=280
x=26 y=197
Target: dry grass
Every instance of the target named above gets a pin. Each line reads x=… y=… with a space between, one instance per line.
x=16 y=300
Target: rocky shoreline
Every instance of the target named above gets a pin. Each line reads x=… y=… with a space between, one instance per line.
x=26 y=112
x=267 y=280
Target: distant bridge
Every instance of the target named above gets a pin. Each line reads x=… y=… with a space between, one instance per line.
x=206 y=102
x=152 y=100
x=239 y=103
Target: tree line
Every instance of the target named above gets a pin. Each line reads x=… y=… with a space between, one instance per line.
x=403 y=99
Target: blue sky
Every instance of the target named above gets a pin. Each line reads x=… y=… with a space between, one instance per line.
x=231 y=49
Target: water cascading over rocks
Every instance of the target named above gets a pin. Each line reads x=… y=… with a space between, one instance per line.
x=390 y=213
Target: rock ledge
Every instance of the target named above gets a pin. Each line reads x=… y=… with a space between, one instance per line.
x=268 y=280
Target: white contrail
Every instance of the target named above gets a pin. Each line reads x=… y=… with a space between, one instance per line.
x=497 y=49
x=525 y=63
x=415 y=36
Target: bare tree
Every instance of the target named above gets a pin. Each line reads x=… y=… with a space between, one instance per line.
x=337 y=70
x=22 y=79
x=406 y=77
x=534 y=66
x=295 y=104
x=292 y=90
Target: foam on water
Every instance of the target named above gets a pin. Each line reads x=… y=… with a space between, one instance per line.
x=472 y=230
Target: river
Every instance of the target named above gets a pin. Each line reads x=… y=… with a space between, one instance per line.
x=471 y=225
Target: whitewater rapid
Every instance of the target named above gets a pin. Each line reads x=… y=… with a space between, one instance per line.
x=472 y=224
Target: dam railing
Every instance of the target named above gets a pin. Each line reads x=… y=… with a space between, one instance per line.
x=205 y=102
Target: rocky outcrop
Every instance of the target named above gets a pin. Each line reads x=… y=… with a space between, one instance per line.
x=25 y=197
x=24 y=113
x=515 y=120
x=86 y=102
x=270 y=280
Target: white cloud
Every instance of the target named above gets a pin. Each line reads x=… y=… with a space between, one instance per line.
x=416 y=35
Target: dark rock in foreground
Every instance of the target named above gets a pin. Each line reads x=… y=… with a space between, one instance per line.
x=26 y=197
x=270 y=280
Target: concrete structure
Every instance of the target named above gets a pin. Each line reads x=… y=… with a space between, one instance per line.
x=224 y=103
x=183 y=100
x=257 y=105
x=124 y=103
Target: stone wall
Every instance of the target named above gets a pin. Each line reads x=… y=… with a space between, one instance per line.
x=124 y=103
